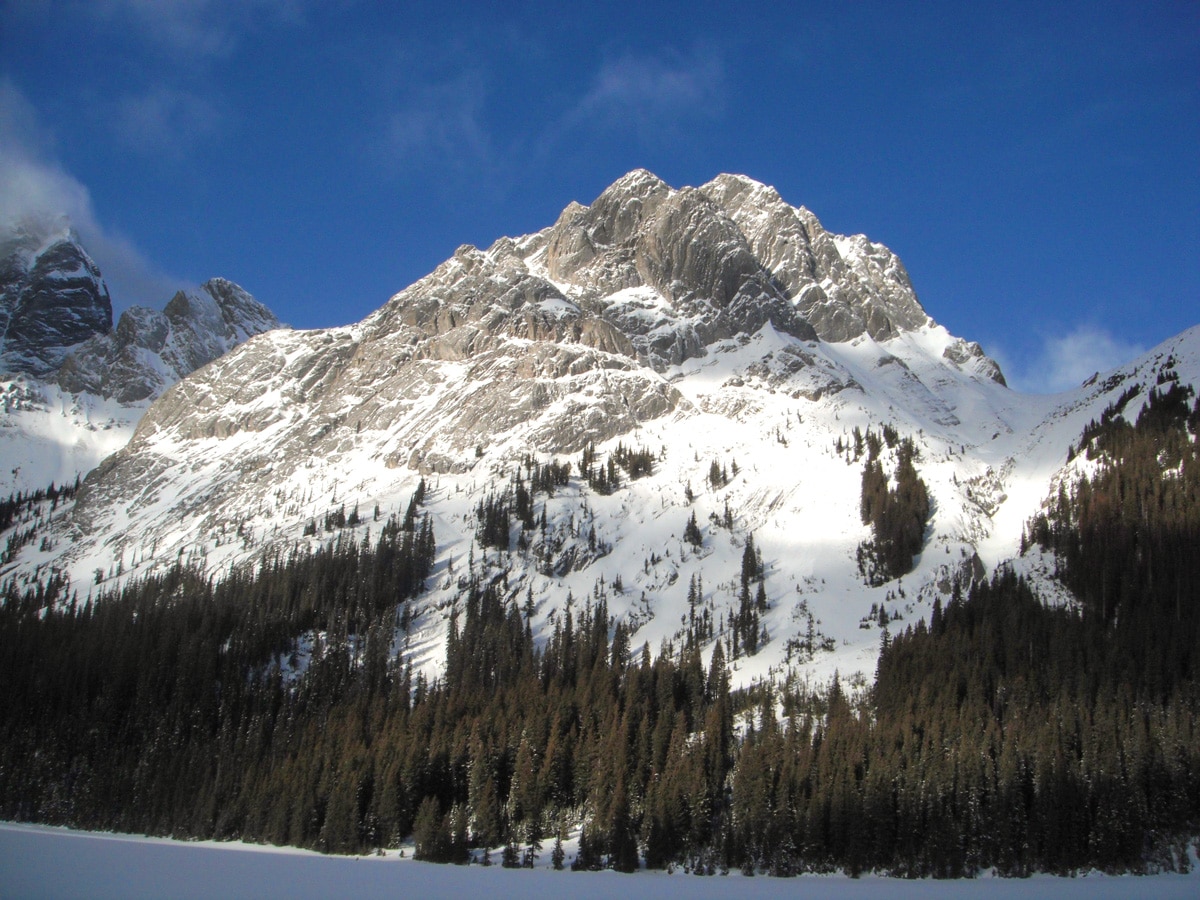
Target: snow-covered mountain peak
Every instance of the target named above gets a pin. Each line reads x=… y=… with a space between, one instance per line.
x=151 y=350
x=739 y=349
x=659 y=274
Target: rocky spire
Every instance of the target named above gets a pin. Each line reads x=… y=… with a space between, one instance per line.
x=151 y=350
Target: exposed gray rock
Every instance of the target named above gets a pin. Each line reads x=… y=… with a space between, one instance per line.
x=641 y=233
x=595 y=245
x=697 y=256
x=52 y=298
x=969 y=356
x=151 y=350
x=844 y=287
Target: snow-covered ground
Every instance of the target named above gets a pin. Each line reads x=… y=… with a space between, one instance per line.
x=49 y=435
x=42 y=862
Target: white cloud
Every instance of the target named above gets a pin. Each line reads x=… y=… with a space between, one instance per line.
x=653 y=93
x=1066 y=361
x=35 y=187
x=30 y=187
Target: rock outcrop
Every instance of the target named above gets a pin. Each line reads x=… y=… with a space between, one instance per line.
x=52 y=299
x=151 y=350
x=844 y=287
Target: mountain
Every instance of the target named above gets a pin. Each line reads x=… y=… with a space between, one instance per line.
x=677 y=530
x=708 y=363
x=74 y=387
x=51 y=298
x=151 y=350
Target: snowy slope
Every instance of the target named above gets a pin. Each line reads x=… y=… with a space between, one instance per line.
x=50 y=435
x=655 y=319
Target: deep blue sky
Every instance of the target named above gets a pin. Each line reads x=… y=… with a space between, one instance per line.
x=1035 y=165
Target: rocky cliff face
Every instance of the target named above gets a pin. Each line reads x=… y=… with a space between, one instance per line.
x=151 y=350
x=659 y=274
x=681 y=246
x=56 y=322
x=843 y=287
x=52 y=299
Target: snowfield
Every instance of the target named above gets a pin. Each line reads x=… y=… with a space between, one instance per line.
x=48 y=435
x=47 y=863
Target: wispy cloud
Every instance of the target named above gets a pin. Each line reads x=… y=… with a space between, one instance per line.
x=33 y=186
x=164 y=121
x=653 y=94
x=194 y=27
x=29 y=186
x=449 y=123
x=1066 y=361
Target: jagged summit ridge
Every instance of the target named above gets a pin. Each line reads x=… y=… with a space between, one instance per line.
x=56 y=321
x=151 y=350
x=731 y=237
x=73 y=387
x=844 y=287
x=661 y=273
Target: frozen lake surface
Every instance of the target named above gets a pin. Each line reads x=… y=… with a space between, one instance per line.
x=41 y=862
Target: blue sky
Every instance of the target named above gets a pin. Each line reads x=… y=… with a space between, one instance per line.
x=1035 y=165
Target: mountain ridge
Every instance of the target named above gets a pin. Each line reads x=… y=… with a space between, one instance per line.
x=75 y=387
x=646 y=319
x=52 y=298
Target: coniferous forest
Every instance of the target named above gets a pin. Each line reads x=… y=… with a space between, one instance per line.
x=1002 y=734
